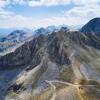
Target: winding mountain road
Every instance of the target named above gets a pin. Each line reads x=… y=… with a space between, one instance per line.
x=53 y=87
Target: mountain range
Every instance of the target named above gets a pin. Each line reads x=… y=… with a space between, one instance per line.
x=9 y=42
x=53 y=64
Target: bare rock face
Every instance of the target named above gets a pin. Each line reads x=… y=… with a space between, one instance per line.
x=33 y=51
x=92 y=26
x=92 y=31
x=54 y=67
x=23 y=55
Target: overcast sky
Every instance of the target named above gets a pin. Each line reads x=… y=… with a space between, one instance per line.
x=38 y=13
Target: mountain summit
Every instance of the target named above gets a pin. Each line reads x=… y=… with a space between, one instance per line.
x=14 y=39
x=92 y=26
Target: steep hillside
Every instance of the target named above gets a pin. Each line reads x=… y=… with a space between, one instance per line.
x=92 y=31
x=93 y=26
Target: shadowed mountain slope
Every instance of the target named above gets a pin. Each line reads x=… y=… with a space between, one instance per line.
x=92 y=26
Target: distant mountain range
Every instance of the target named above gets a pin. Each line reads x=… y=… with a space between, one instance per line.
x=18 y=37
x=13 y=39
x=54 y=63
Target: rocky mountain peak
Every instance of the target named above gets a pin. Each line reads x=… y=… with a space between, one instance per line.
x=92 y=26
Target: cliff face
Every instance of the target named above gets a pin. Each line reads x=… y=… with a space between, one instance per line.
x=22 y=55
x=92 y=26
x=92 y=31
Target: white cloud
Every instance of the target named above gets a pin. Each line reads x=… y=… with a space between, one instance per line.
x=20 y=2
x=48 y=2
x=79 y=14
x=33 y=3
x=4 y=3
x=85 y=12
x=85 y=2
x=17 y=21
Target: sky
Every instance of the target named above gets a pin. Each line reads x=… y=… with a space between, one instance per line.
x=33 y=14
